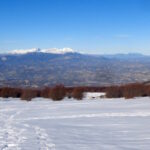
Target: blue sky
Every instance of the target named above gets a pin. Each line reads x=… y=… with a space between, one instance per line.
x=90 y=26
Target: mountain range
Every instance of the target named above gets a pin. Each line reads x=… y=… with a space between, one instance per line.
x=48 y=67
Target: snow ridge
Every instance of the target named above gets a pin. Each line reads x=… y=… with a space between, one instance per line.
x=36 y=50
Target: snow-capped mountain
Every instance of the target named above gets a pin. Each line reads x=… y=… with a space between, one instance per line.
x=24 y=51
x=47 y=67
x=57 y=51
x=37 y=50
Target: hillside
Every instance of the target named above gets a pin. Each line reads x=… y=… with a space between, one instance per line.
x=36 y=69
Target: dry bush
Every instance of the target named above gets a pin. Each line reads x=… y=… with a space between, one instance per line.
x=28 y=94
x=5 y=92
x=10 y=92
x=45 y=92
x=134 y=90
x=147 y=89
x=78 y=93
x=16 y=93
x=114 y=92
x=0 y=92
x=57 y=93
x=128 y=91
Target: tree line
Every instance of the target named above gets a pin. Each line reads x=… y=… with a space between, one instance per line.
x=58 y=92
x=128 y=91
x=55 y=93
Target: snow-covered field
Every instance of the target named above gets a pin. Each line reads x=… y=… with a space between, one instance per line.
x=104 y=124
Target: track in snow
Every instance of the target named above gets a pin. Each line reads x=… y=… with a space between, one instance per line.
x=43 y=139
x=13 y=138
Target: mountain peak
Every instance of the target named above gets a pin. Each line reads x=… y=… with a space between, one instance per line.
x=36 y=50
x=57 y=50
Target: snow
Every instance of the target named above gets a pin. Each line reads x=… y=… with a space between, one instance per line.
x=24 y=51
x=57 y=51
x=93 y=95
x=101 y=124
x=51 y=50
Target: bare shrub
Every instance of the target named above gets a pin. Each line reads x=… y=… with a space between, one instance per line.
x=128 y=91
x=147 y=89
x=57 y=93
x=134 y=90
x=28 y=94
x=10 y=92
x=5 y=92
x=114 y=92
x=45 y=92
x=78 y=93
x=0 y=92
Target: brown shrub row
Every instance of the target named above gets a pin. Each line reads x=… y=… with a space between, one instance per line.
x=128 y=91
x=59 y=92
x=56 y=93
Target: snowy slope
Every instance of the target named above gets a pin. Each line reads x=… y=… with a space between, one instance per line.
x=75 y=125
